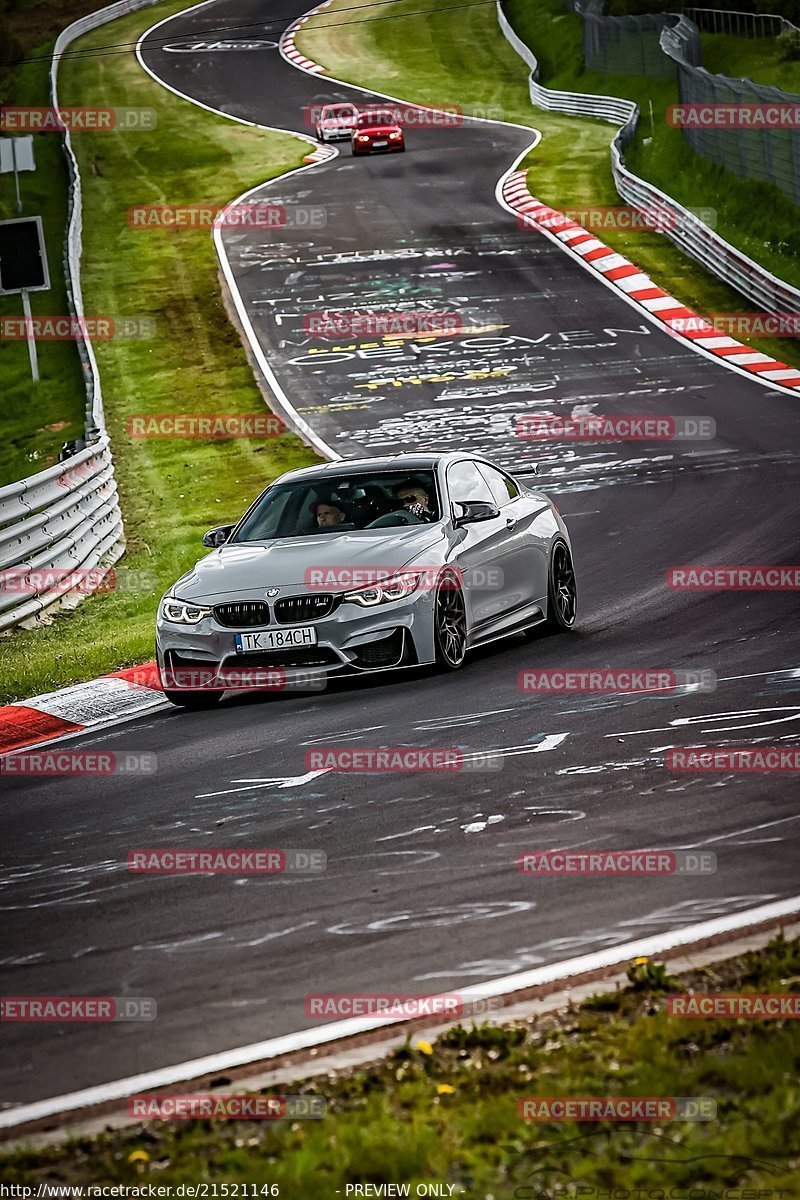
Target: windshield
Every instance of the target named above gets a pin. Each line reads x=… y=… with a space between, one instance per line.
x=381 y=117
x=372 y=500
x=342 y=110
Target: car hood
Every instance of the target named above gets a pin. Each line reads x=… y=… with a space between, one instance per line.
x=247 y=569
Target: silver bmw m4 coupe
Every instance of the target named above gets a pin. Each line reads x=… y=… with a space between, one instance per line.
x=366 y=565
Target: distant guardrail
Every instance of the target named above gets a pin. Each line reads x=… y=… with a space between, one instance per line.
x=684 y=228
x=60 y=524
x=739 y=24
x=770 y=153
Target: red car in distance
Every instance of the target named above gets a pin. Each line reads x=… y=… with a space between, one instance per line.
x=377 y=129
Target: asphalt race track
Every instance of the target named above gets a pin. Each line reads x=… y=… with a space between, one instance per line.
x=422 y=891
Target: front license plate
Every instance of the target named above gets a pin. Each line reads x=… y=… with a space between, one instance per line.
x=276 y=639
x=380 y=144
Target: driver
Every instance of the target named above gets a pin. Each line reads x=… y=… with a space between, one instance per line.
x=413 y=496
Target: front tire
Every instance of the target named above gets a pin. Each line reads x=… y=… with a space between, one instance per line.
x=450 y=623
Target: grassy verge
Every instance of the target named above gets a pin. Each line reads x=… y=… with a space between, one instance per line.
x=750 y=58
x=449 y=1112
x=171 y=490
x=36 y=418
x=756 y=217
x=461 y=57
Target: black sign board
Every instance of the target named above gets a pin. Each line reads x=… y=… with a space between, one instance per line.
x=23 y=260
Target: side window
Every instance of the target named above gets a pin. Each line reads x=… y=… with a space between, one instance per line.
x=465 y=482
x=503 y=488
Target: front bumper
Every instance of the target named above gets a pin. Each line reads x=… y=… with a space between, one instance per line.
x=371 y=148
x=352 y=640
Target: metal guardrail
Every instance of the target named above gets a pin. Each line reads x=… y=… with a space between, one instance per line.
x=60 y=524
x=55 y=528
x=771 y=155
x=74 y=240
x=739 y=24
x=685 y=229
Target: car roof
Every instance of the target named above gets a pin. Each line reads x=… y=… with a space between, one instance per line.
x=410 y=462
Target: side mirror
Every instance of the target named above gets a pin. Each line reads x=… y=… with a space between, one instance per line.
x=217 y=537
x=470 y=511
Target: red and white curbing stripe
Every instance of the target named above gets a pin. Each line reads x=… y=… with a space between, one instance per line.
x=639 y=287
x=85 y=705
x=321 y=154
x=289 y=50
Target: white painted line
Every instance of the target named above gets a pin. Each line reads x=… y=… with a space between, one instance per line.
x=121 y=1089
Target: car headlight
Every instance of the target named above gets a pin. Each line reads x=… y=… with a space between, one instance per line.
x=394 y=136
x=362 y=137
x=396 y=588
x=180 y=612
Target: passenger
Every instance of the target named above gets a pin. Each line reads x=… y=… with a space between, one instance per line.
x=415 y=499
x=327 y=513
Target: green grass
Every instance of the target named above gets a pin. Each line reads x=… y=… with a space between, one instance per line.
x=171 y=490
x=390 y=1123
x=461 y=57
x=756 y=217
x=36 y=418
x=750 y=58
